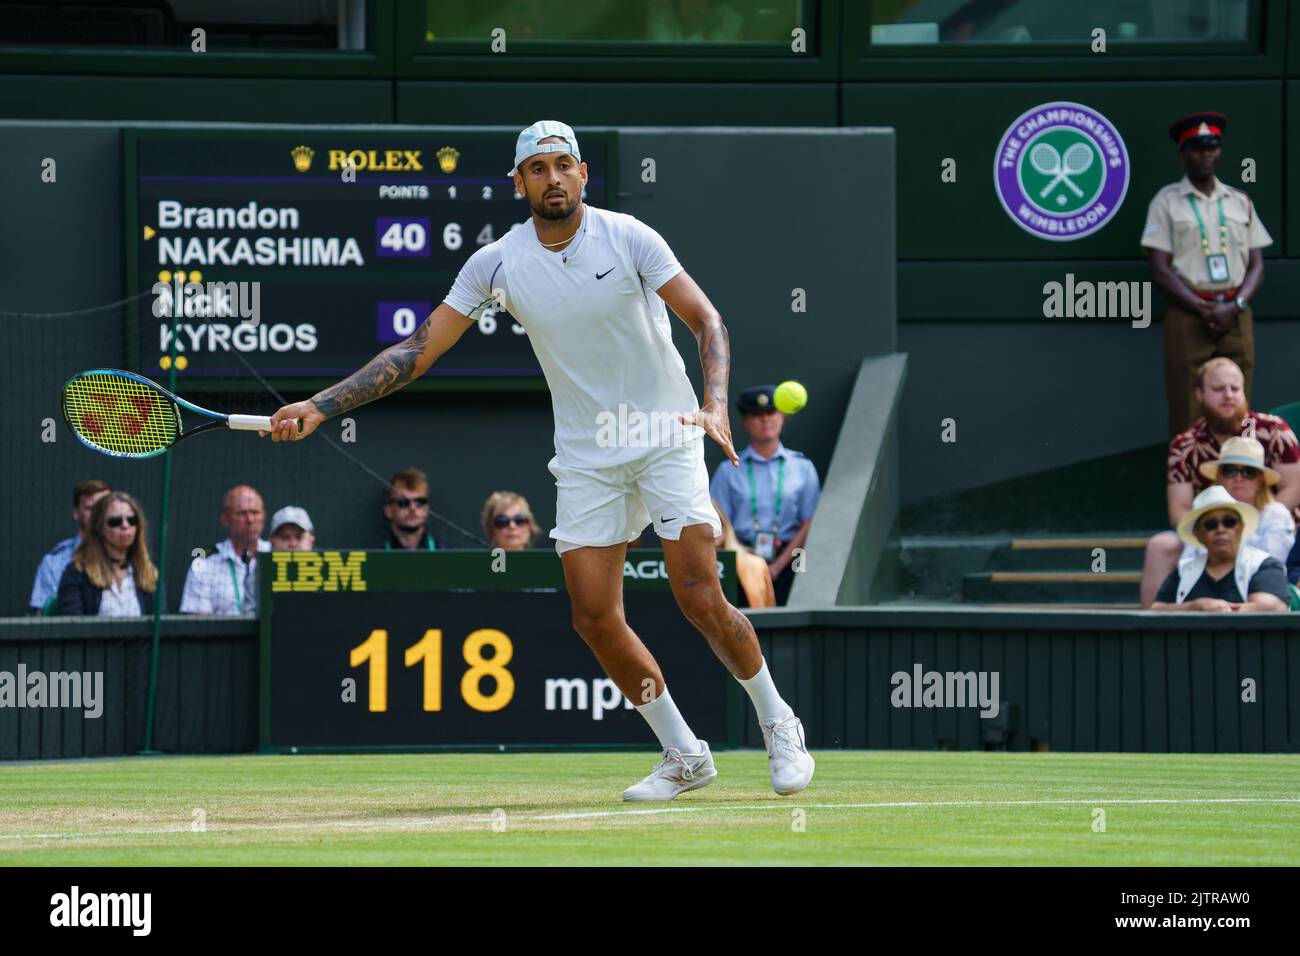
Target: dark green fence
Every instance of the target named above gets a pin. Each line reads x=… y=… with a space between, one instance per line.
x=1083 y=681
x=207 y=686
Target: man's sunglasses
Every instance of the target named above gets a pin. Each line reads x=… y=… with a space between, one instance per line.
x=1232 y=471
x=408 y=502
x=503 y=521
x=116 y=521
x=1229 y=522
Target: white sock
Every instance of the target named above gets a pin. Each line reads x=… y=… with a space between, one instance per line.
x=668 y=724
x=763 y=693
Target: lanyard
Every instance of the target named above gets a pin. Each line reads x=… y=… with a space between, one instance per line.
x=239 y=601
x=753 y=496
x=1200 y=224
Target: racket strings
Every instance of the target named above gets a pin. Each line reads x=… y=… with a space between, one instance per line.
x=119 y=415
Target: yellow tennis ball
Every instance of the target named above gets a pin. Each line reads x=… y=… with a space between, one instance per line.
x=790 y=397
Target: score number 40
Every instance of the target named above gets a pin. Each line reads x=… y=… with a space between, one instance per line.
x=374 y=652
x=410 y=238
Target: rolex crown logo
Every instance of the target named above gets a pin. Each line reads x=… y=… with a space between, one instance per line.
x=302 y=157
x=447 y=157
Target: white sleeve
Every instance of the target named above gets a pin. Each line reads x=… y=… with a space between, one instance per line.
x=195 y=599
x=1276 y=532
x=472 y=290
x=654 y=261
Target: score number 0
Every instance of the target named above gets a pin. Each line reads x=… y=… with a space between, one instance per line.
x=374 y=651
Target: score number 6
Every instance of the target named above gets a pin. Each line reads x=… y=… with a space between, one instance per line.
x=374 y=651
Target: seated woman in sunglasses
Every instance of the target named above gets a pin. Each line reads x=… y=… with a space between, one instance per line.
x=508 y=521
x=110 y=574
x=1240 y=469
x=1227 y=575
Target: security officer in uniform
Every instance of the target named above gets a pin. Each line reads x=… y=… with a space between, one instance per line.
x=770 y=498
x=1203 y=240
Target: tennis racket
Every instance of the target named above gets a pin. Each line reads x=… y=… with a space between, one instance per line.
x=125 y=415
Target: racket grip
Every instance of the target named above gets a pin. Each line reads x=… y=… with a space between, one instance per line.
x=249 y=423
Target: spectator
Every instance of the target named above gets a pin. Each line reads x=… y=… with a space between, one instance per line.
x=291 y=530
x=1241 y=469
x=751 y=570
x=1293 y=560
x=1219 y=389
x=110 y=574
x=45 y=589
x=407 y=509
x=508 y=521
x=225 y=582
x=1242 y=472
x=1204 y=243
x=771 y=497
x=1223 y=574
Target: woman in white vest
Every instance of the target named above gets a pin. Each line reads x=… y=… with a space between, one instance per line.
x=1223 y=573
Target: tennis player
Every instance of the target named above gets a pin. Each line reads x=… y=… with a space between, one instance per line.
x=589 y=286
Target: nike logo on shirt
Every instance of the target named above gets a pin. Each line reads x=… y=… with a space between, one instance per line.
x=601 y=275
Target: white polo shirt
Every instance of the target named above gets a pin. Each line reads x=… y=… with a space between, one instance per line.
x=601 y=334
x=222 y=582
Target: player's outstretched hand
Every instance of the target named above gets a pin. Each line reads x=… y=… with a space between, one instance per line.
x=286 y=425
x=715 y=422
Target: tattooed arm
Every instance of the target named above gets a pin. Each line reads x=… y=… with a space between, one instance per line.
x=689 y=301
x=385 y=373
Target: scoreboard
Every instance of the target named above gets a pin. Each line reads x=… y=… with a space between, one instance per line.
x=303 y=253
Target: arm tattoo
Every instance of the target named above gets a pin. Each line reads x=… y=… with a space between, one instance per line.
x=386 y=372
x=715 y=357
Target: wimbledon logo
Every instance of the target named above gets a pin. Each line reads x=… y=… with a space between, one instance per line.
x=1061 y=171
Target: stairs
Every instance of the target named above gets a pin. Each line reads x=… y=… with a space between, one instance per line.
x=1095 y=572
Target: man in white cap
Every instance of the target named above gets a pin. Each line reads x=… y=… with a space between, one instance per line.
x=292 y=530
x=589 y=287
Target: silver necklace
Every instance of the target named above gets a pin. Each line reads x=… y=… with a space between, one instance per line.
x=570 y=239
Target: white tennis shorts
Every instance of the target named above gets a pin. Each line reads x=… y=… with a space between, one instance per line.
x=597 y=507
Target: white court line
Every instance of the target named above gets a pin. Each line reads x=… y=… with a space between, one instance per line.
x=911 y=803
x=246 y=827
x=703 y=808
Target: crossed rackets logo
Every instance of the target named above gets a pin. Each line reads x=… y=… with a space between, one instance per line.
x=1049 y=162
x=131 y=424
x=1061 y=171
x=1065 y=159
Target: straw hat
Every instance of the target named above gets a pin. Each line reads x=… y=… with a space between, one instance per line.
x=1240 y=451
x=1216 y=498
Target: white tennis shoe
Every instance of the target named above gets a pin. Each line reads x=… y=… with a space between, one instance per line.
x=676 y=773
x=788 y=757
